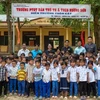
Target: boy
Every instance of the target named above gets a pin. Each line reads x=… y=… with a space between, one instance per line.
x=72 y=78
x=3 y=78
x=82 y=78
x=46 y=80
x=29 y=76
x=37 y=74
x=21 y=76
x=13 y=77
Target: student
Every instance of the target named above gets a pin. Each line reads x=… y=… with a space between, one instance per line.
x=21 y=76
x=72 y=78
x=37 y=75
x=63 y=80
x=98 y=78
x=91 y=80
x=8 y=66
x=3 y=78
x=46 y=81
x=29 y=76
x=55 y=79
x=82 y=79
x=13 y=77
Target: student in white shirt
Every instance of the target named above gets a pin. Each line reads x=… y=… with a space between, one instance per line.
x=82 y=78
x=98 y=77
x=55 y=79
x=13 y=77
x=46 y=80
x=72 y=78
x=63 y=80
x=91 y=80
x=37 y=76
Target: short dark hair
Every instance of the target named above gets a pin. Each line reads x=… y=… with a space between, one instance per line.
x=38 y=61
x=82 y=60
x=90 y=62
x=73 y=60
x=64 y=63
x=14 y=61
x=90 y=37
x=47 y=64
x=55 y=61
x=22 y=63
x=30 y=58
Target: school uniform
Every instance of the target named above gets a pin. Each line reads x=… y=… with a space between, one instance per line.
x=98 y=79
x=3 y=82
x=82 y=71
x=91 y=84
x=13 y=78
x=63 y=80
x=55 y=72
x=46 y=83
x=38 y=81
x=73 y=80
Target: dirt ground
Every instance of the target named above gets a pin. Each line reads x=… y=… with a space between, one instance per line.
x=31 y=98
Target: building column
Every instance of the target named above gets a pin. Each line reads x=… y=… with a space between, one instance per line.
x=67 y=34
x=41 y=39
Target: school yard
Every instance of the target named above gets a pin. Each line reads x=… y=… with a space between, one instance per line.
x=31 y=98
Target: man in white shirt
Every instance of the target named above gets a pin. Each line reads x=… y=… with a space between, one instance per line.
x=23 y=50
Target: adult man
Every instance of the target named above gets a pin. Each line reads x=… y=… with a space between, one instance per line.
x=23 y=50
x=90 y=46
x=79 y=49
x=36 y=51
x=67 y=48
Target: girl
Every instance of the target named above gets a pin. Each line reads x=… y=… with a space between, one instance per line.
x=91 y=80
x=55 y=79
x=98 y=77
x=82 y=79
x=72 y=78
x=63 y=80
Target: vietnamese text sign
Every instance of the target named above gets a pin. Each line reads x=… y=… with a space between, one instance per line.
x=51 y=10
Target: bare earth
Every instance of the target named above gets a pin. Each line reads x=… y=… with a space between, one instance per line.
x=31 y=98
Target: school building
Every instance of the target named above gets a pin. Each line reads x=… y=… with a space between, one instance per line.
x=41 y=31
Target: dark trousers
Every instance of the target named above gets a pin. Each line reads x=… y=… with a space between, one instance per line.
x=3 y=84
x=91 y=88
x=28 y=87
x=83 y=88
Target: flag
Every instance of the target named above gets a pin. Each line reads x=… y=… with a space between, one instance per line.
x=82 y=38
x=18 y=32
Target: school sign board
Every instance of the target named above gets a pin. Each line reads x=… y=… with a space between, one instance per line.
x=51 y=10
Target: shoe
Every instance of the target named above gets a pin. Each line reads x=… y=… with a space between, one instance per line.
x=19 y=95
x=75 y=97
x=88 y=97
x=94 y=97
x=35 y=98
x=98 y=97
x=10 y=94
x=55 y=97
x=26 y=96
x=82 y=98
x=5 y=96
x=15 y=93
x=65 y=98
x=61 y=97
x=22 y=95
x=52 y=97
x=70 y=97
x=40 y=98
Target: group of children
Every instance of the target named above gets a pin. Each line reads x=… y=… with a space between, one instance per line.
x=51 y=75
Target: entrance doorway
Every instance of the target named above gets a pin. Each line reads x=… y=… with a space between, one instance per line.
x=55 y=41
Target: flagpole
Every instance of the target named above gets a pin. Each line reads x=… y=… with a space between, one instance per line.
x=13 y=35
